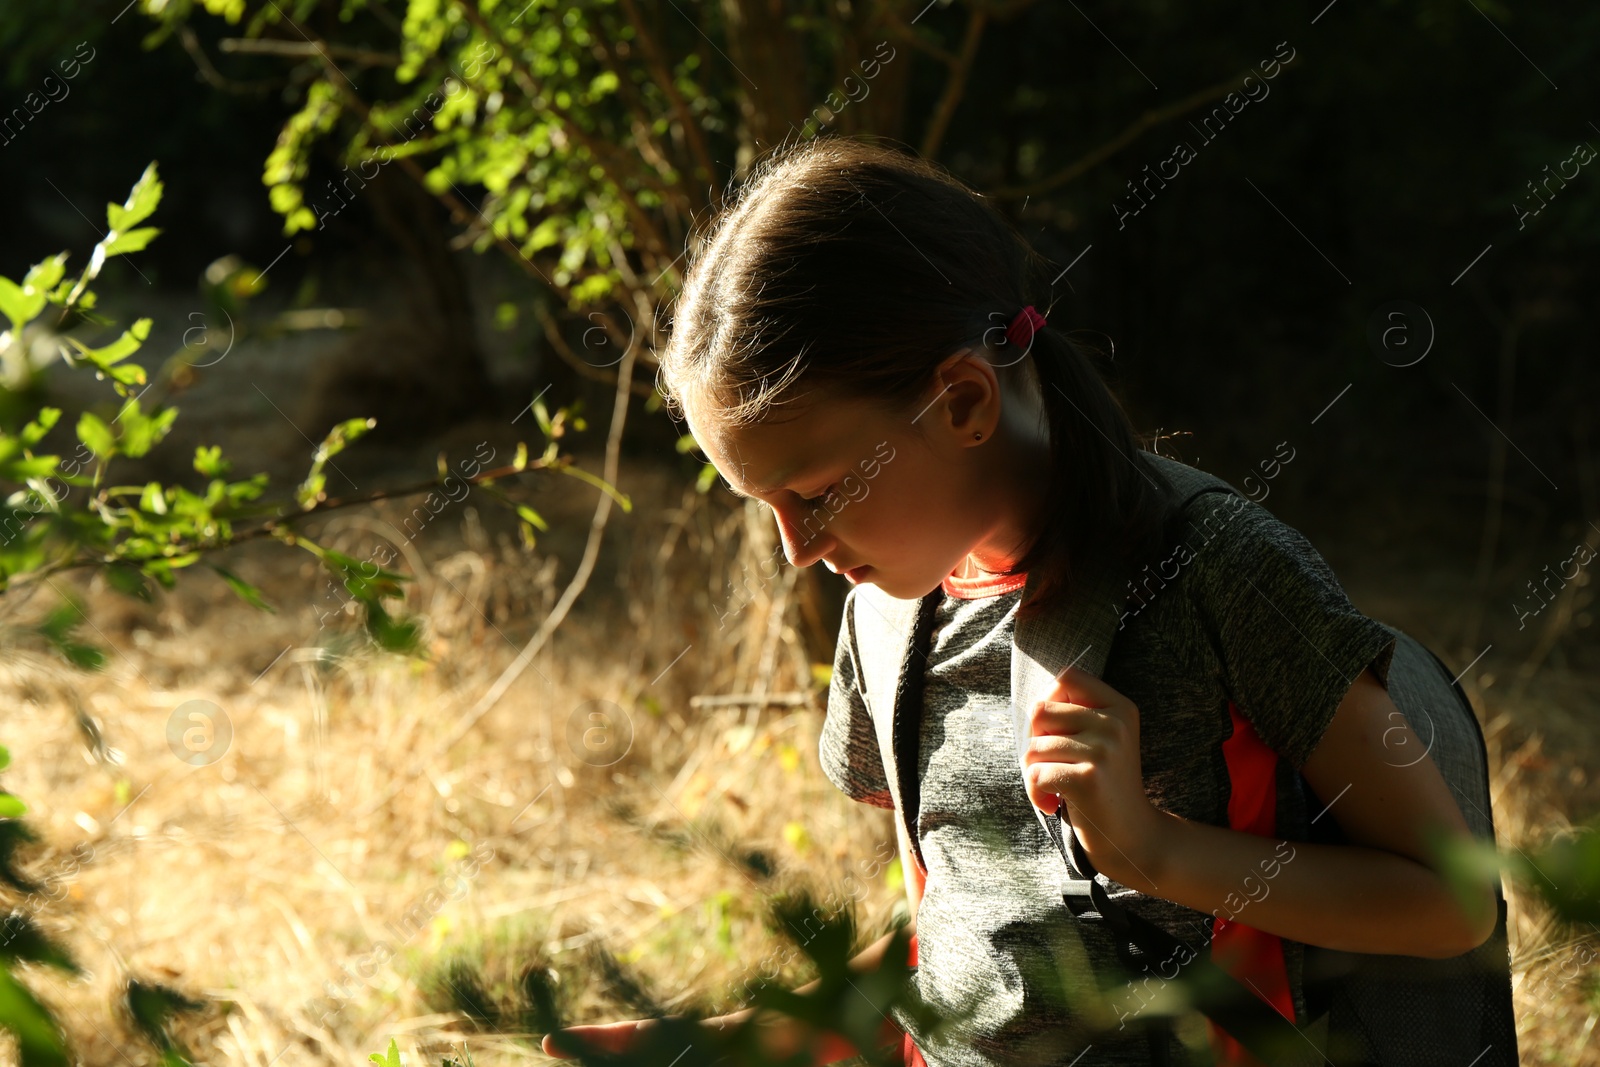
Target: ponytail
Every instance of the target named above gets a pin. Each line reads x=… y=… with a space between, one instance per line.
x=1105 y=501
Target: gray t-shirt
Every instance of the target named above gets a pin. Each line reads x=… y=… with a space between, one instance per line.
x=1257 y=618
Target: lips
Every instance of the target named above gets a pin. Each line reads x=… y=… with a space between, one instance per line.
x=852 y=574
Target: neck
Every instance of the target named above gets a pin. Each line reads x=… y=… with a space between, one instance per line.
x=1020 y=475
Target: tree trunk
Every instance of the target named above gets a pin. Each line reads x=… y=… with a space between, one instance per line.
x=763 y=48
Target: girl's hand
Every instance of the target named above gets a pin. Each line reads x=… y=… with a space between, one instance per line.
x=1083 y=750
x=781 y=1036
x=613 y=1037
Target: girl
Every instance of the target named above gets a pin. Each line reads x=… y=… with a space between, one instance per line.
x=854 y=346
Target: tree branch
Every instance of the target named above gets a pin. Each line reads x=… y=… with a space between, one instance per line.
x=270 y=46
x=459 y=211
x=601 y=153
x=1119 y=142
x=656 y=65
x=214 y=77
x=597 y=525
x=960 y=67
x=552 y=333
x=280 y=522
x=900 y=31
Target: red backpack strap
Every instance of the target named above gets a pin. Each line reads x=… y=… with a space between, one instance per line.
x=1252 y=956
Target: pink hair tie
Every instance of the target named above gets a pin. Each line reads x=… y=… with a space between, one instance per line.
x=1027 y=323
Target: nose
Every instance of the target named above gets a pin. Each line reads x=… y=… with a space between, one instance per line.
x=801 y=546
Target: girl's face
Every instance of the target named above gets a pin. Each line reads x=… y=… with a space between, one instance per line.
x=894 y=499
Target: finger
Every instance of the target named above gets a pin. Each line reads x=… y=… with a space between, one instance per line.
x=1060 y=748
x=1043 y=799
x=1074 y=685
x=1048 y=784
x=1053 y=717
x=611 y=1037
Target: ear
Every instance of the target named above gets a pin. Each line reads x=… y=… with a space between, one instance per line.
x=970 y=399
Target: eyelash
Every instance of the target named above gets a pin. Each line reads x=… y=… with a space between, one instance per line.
x=819 y=498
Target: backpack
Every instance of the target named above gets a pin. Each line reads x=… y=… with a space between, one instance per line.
x=1362 y=1009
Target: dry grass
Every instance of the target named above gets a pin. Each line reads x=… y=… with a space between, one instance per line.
x=306 y=854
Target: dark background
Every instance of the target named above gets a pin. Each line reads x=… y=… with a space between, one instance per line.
x=1383 y=166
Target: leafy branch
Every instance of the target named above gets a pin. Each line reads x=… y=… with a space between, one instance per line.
x=67 y=515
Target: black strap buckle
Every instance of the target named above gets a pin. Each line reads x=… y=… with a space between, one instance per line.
x=1078 y=895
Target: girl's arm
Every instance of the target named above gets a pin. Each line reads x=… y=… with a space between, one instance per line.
x=1383 y=894
x=1386 y=893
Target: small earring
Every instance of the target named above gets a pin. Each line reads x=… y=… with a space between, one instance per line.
x=978 y=436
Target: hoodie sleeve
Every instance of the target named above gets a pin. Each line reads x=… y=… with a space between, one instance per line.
x=1289 y=641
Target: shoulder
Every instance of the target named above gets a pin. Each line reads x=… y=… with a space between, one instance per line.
x=1229 y=541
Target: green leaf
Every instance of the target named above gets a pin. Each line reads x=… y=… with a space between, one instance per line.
x=344 y=433
x=33 y=431
x=85 y=657
x=153 y=499
x=1568 y=874
x=391 y=634
x=127 y=374
x=56 y=628
x=141 y=202
x=127 y=580
x=311 y=490
x=131 y=241
x=208 y=461
x=21 y=470
x=19 y=305
x=246 y=592
x=12 y=807
x=46 y=274
x=140 y=434
x=592 y=289
x=5 y=757
x=14 y=834
x=61 y=619
x=533 y=517
x=391 y=1059
x=118 y=350
x=601 y=484
x=151 y=1005
x=93 y=432
x=39 y=1039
